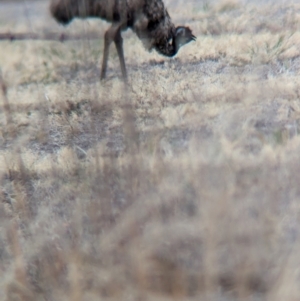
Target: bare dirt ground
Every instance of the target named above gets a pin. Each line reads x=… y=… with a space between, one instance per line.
x=182 y=186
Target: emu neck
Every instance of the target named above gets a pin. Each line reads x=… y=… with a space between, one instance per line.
x=167 y=49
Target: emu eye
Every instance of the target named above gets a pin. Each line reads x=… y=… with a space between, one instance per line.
x=179 y=30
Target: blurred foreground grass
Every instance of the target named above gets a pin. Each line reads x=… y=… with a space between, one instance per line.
x=182 y=186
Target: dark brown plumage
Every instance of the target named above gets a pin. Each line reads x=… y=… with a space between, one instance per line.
x=149 y=19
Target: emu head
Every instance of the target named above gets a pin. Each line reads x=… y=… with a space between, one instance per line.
x=178 y=37
x=183 y=35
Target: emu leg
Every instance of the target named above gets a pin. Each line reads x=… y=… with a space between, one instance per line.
x=113 y=34
x=108 y=38
x=119 y=45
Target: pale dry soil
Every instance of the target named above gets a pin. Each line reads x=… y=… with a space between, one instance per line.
x=182 y=185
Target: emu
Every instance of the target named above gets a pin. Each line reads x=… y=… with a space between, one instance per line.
x=149 y=19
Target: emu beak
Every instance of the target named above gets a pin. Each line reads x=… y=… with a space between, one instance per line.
x=193 y=38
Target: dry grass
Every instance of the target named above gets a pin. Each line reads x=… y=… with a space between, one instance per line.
x=182 y=186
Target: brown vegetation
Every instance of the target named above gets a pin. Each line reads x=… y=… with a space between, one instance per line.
x=184 y=186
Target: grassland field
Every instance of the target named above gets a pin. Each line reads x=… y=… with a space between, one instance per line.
x=182 y=185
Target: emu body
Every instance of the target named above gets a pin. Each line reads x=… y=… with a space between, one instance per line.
x=149 y=19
